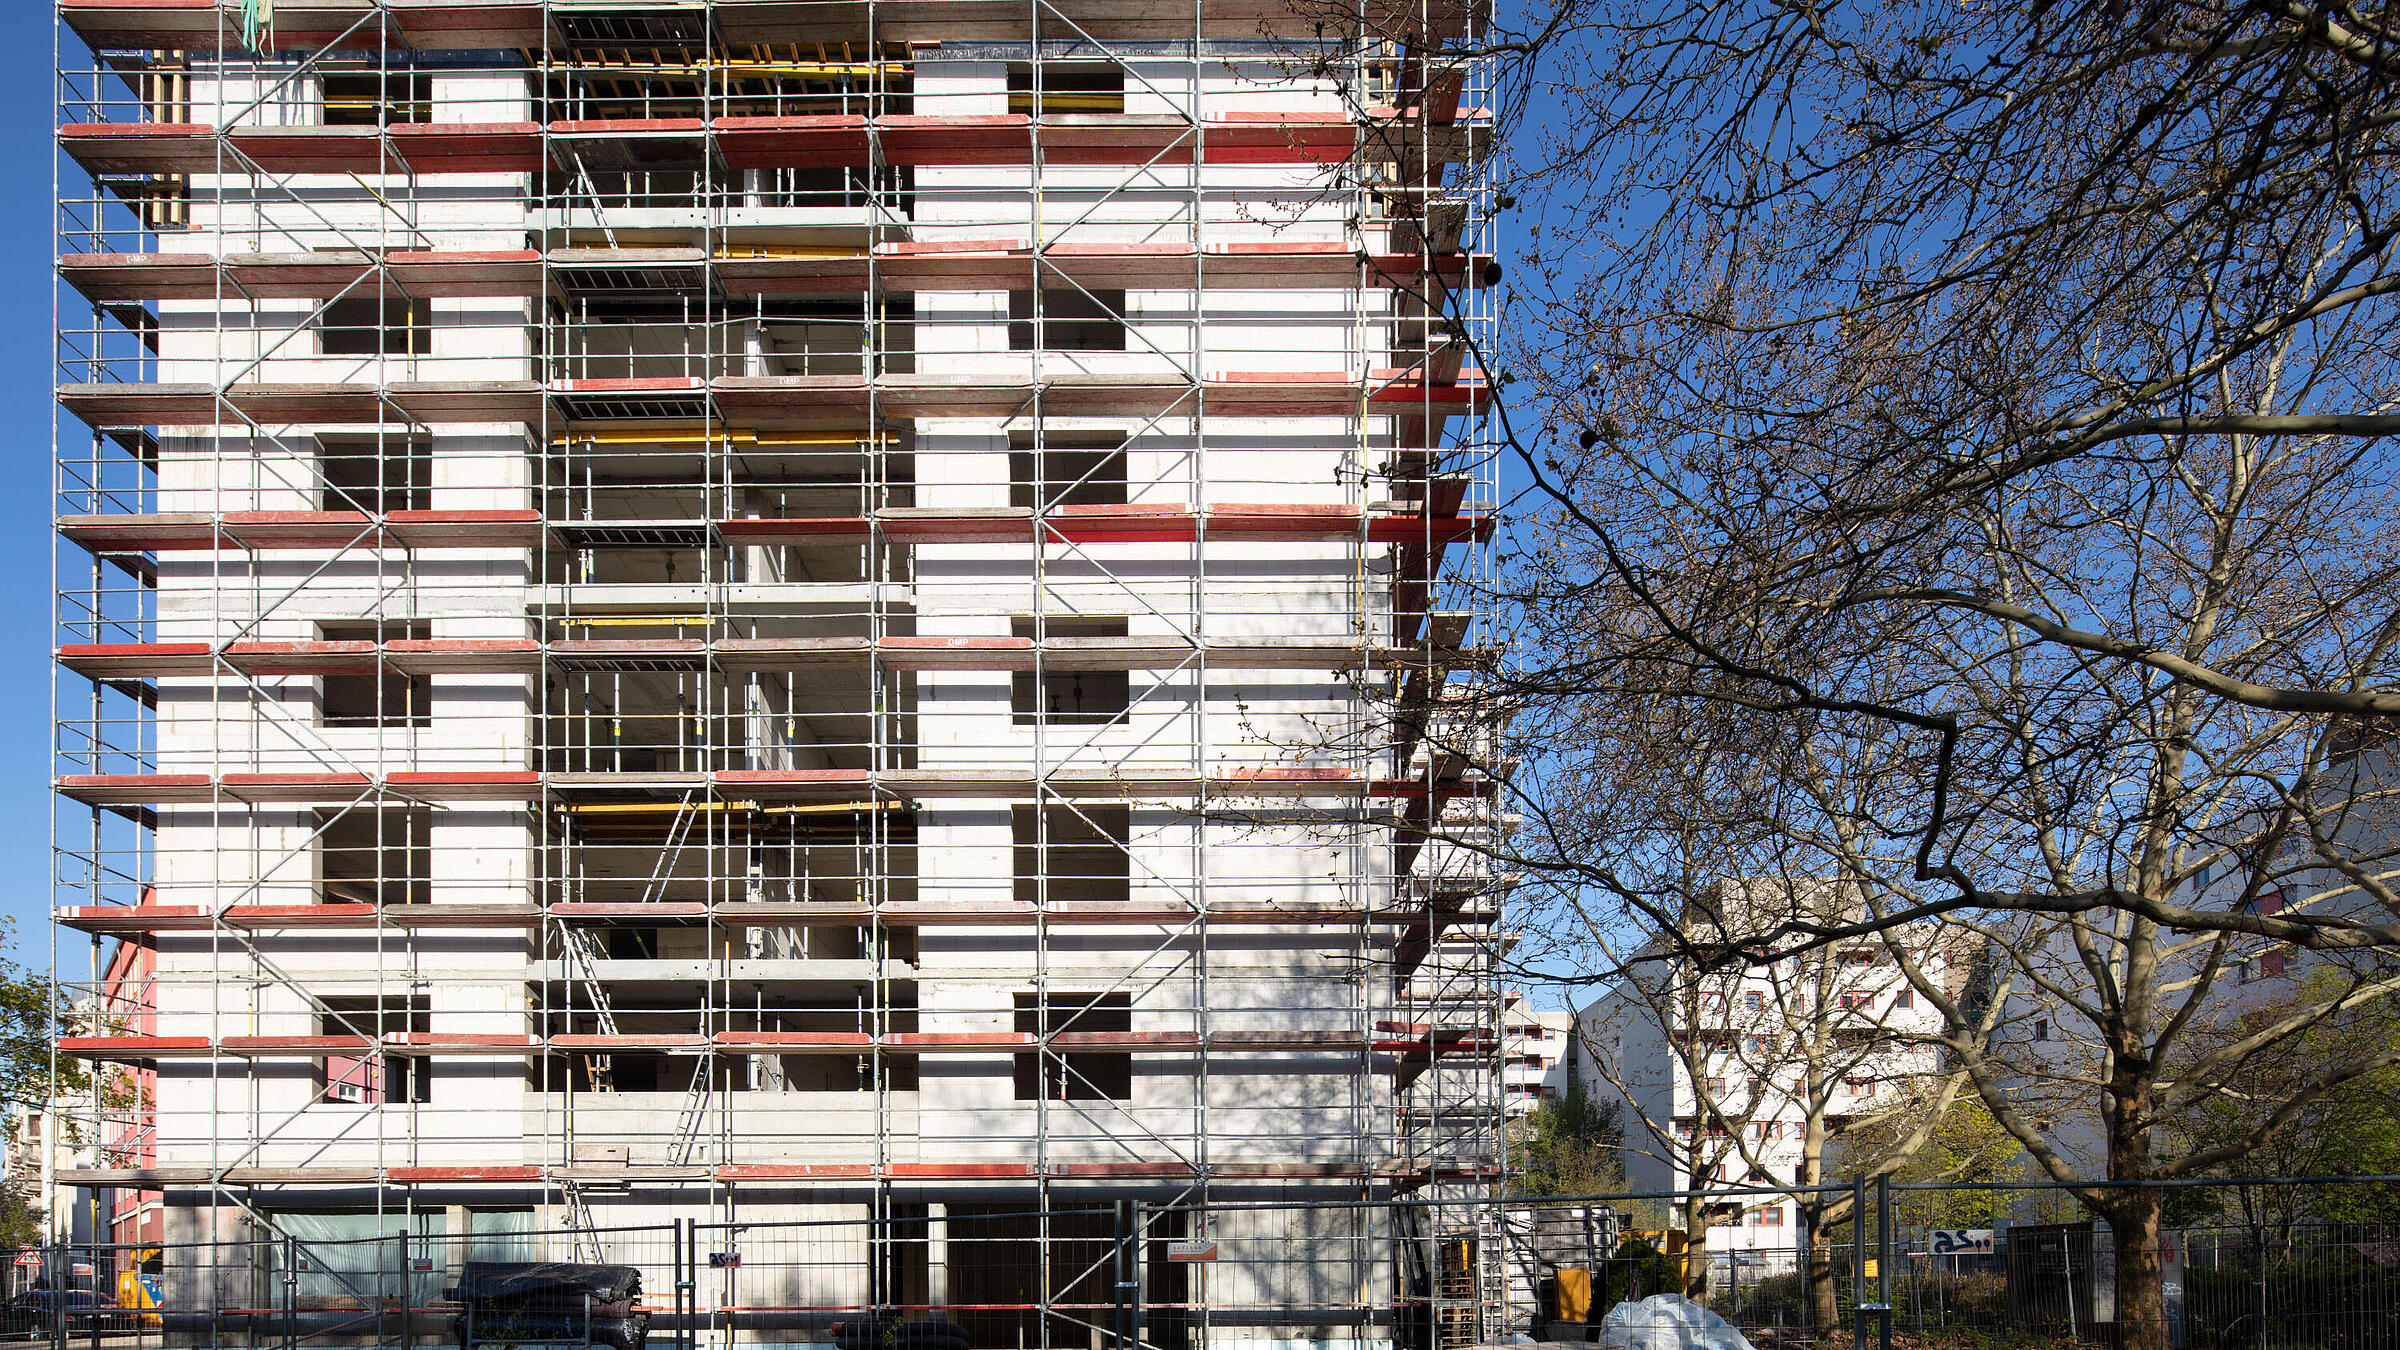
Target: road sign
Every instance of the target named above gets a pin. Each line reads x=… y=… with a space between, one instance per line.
x=1192 y=1251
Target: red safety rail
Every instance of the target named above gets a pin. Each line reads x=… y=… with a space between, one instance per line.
x=189 y=531
x=261 y=531
x=901 y=268
x=202 y=25
x=524 y=656
x=754 y=399
x=807 y=141
x=129 y=920
x=770 y=1173
x=448 y=1044
x=762 y=785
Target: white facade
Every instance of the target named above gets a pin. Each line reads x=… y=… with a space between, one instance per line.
x=1720 y=1075
x=1534 y=1049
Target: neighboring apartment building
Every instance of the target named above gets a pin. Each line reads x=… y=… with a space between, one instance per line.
x=42 y=1146
x=768 y=611
x=2053 y=1058
x=1533 y=1051
x=1721 y=1075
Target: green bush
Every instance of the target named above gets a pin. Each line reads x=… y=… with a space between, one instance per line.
x=1776 y=1300
x=1635 y=1259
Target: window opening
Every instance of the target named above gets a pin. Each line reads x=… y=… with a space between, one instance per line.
x=1069 y=697
x=1073 y=320
x=374 y=325
x=1066 y=89
x=1075 y=1075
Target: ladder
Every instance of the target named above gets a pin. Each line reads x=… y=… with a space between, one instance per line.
x=582 y=952
x=686 y=1140
x=1491 y=1273
x=582 y=1227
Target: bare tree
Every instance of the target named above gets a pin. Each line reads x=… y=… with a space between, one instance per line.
x=1756 y=1074
x=1956 y=444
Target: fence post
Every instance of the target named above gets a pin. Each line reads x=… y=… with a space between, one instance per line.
x=2258 y=1262
x=1883 y=1255
x=291 y=1287
x=1128 y=1221
x=1858 y=1263
x=687 y=1281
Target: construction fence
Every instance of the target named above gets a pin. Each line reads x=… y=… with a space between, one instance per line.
x=1410 y=1274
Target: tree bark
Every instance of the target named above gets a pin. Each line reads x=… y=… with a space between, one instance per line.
x=1695 y=1251
x=2141 y=1275
x=1824 y=1299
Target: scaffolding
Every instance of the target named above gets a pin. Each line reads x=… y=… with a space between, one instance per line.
x=759 y=608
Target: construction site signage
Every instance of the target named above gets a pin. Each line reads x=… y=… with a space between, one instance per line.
x=1192 y=1251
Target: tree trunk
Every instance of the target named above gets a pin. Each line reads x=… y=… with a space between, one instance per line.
x=2141 y=1277
x=1695 y=1252
x=1824 y=1299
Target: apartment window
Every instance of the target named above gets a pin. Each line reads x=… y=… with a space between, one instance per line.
x=374 y=1078
x=369 y=855
x=1066 y=89
x=382 y=697
x=1771 y=1216
x=1066 y=471
x=1755 y=1000
x=1765 y=1129
x=1083 y=856
x=1759 y=1045
x=1715 y=1087
x=1858 y=1087
x=1072 y=320
x=1075 y=1075
x=1069 y=697
x=2041 y=1029
x=1858 y=999
x=1712 y=1003
x=2266 y=965
x=375 y=477
x=1906 y=998
x=370 y=98
x=374 y=325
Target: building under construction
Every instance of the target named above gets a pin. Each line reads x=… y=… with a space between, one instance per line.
x=768 y=610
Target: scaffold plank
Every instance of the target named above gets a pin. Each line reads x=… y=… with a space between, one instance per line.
x=899 y=268
x=803 y=141
x=860 y=786
x=524 y=656
x=763 y=1174
x=207 y=26
x=126 y=920
x=758 y=399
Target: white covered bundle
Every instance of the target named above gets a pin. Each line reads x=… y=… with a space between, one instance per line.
x=1667 y=1322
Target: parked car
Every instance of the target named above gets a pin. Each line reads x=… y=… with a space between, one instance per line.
x=30 y=1315
x=511 y=1302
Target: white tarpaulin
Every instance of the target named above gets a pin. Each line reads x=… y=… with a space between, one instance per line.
x=1667 y=1322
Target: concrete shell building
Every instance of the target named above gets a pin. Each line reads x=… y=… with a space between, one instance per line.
x=755 y=611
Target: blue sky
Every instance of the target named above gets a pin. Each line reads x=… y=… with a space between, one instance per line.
x=25 y=362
